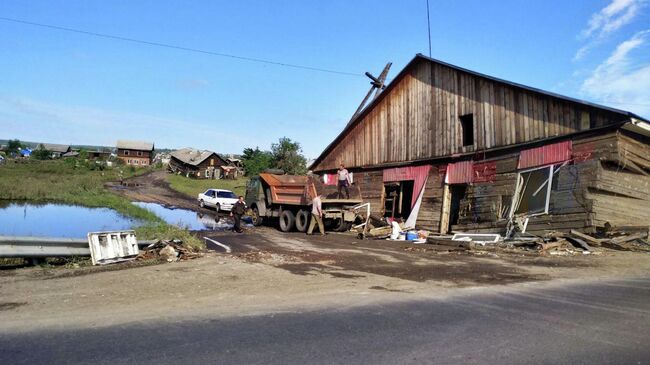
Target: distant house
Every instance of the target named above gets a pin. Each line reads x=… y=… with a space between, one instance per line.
x=237 y=167
x=163 y=158
x=70 y=154
x=56 y=150
x=98 y=155
x=135 y=153
x=196 y=163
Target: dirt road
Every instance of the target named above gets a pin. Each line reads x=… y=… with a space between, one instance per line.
x=154 y=188
x=273 y=272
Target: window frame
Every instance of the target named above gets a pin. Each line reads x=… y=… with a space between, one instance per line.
x=518 y=192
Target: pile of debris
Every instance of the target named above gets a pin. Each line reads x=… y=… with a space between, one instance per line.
x=169 y=251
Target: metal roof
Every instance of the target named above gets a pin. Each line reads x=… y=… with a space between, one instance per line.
x=134 y=145
x=419 y=57
x=191 y=156
x=52 y=147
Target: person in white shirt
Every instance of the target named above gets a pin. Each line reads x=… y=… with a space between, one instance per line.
x=344 y=182
x=316 y=216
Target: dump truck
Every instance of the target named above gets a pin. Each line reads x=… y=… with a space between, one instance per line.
x=286 y=201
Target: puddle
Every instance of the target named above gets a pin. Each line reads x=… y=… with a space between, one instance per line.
x=58 y=220
x=189 y=219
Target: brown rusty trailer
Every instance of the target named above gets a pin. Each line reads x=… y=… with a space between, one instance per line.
x=287 y=198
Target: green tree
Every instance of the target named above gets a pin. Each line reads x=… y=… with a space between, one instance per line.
x=41 y=154
x=13 y=145
x=256 y=161
x=287 y=155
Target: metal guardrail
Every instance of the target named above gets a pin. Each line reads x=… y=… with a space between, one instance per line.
x=37 y=247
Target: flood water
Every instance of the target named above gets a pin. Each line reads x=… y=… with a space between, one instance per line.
x=188 y=219
x=58 y=220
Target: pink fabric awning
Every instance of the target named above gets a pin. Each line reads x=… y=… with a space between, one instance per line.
x=418 y=174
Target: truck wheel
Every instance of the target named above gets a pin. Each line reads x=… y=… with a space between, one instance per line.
x=302 y=220
x=257 y=220
x=287 y=220
x=341 y=226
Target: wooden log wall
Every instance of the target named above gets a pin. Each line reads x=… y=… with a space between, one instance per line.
x=418 y=118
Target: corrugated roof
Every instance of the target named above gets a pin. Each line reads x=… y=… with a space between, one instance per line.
x=52 y=147
x=191 y=156
x=419 y=57
x=134 y=145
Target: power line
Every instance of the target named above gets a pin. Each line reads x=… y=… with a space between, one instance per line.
x=429 y=27
x=182 y=48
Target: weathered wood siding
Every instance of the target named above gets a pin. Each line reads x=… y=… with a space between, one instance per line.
x=418 y=118
x=598 y=187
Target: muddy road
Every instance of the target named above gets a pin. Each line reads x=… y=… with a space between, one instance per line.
x=154 y=188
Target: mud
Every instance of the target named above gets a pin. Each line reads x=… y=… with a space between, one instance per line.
x=11 y=305
x=154 y=188
x=344 y=256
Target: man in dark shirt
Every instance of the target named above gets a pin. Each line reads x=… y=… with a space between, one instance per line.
x=237 y=211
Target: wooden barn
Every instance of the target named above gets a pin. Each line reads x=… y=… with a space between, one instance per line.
x=196 y=163
x=449 y=149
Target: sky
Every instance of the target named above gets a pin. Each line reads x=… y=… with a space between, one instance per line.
x=74 y=88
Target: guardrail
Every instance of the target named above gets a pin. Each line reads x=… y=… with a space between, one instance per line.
x=38 y=247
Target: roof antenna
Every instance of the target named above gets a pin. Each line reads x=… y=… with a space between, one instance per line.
x=429 y=28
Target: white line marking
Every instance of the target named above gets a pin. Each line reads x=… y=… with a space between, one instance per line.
x=228 y=250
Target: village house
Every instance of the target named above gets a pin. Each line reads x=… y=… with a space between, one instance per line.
x=135 y=153
x=196 y=163
x=56 y=150
x=449 y=149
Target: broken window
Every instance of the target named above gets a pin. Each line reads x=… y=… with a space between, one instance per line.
x=533 y=192
x=467 y=125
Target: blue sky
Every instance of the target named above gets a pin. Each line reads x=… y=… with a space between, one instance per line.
x=64 y=87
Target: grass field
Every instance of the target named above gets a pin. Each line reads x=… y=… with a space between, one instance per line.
x=61 y=182
x=192 y=187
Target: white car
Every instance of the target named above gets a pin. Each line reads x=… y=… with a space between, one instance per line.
x=218 y=199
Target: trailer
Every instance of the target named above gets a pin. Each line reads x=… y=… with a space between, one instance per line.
x=286 y=200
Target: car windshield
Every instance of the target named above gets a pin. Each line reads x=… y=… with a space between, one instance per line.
x=226 y=194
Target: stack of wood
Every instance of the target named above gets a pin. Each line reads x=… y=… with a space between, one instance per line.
x=169 y=251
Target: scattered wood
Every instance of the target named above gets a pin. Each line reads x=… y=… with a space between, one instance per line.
x=169 y=251
x=591 y=240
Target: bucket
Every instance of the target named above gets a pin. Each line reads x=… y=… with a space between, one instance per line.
x=411 y=236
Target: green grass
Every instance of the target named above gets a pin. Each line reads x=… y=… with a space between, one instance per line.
x=57 y=181
x=192 y=187
x=61 y=182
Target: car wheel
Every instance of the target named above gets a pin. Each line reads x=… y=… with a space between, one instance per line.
x=302 y=220
x=201 y=204
x=257 y=220
x=287 y=220
x=217 y=207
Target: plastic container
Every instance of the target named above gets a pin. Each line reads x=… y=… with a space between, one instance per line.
x=411 y=236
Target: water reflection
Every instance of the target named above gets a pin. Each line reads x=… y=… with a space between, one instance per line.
x=58 y=220
x=189 y=219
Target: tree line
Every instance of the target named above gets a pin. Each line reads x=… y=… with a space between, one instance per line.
x=285 y=155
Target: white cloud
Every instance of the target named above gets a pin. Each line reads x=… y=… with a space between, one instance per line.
x=609 y=19
x=615 y=15
x=620 y=80
x=191 y=84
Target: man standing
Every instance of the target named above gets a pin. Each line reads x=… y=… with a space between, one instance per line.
x=237 y=211
x=316 y=216
x=344 y=181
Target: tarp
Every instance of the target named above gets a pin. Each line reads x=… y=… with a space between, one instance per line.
x=545 y=155
x=418 y=174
